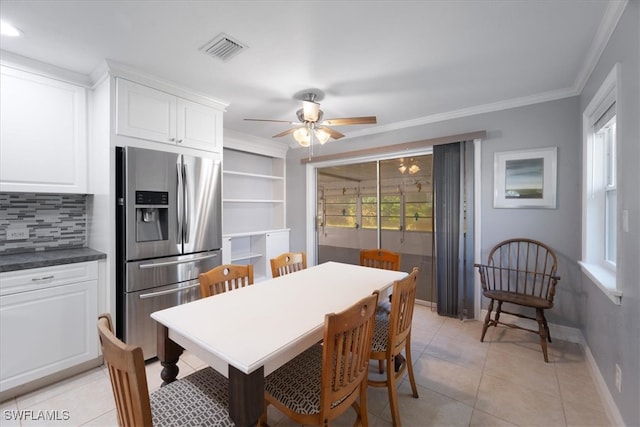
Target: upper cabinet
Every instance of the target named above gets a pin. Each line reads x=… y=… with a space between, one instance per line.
x=147 y=113
x=43 y=136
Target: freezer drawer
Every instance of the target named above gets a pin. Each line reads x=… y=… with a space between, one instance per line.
x=140 y=329
x=157 y=272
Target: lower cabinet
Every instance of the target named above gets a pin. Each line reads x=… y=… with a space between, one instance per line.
x=47 y=321
x=255 y=248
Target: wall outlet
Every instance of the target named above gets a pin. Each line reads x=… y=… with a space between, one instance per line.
x=618 y=378
x=17 y=233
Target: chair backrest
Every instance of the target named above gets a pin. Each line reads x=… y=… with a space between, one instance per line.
x=401 y=315
x=288 y=262
x=345 y=355
x=128 y=378
x=380 y=258
x=521 y=266
x=225 y=278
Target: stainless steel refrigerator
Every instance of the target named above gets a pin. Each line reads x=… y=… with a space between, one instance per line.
x=168 y=231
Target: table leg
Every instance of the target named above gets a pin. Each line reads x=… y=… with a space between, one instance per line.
x=246 y=396
x=168 y=353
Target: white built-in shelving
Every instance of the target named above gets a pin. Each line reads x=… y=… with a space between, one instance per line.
x=254 y=202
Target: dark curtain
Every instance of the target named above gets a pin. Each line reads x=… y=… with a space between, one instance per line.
x=453 y=227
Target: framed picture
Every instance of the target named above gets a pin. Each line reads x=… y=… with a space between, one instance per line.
x=525 y=178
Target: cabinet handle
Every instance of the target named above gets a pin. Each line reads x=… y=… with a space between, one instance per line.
x=172 y=139
x=179 y=141
x=36 y=279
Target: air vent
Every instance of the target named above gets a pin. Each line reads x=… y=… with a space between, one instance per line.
x=223 y=47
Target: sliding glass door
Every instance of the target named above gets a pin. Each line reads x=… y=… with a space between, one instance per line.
x=380 y=204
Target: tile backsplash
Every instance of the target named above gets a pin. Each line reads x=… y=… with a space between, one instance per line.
x=53 y=221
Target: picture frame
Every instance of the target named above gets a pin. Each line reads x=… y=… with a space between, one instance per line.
x=525 y=178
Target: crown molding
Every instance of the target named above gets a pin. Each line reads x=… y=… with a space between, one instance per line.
x=471 y=111
x=605 y=30
x=253 y=144
x=13 y=60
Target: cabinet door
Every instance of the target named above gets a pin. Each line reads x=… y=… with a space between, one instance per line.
x=146 y=113
x=46 y=331
x=198 y=125
x=43 y=137
x=277 y=242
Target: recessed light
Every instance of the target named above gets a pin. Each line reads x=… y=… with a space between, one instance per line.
x=9 y=30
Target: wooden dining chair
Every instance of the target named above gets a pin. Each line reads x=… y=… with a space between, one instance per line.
x=380 y=258
x=521 y=272
x=225 y=278
x=288 y=262
x=197 y=399
x=391 y=336
x=386 y=260
x=326 y=380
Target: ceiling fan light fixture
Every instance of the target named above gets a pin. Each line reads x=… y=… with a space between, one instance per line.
x=322 y=135
x=310 y=111
x=303 y=136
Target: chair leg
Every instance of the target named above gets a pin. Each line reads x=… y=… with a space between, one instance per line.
x=381 y=366
x=362 y=417
x=498 y=312
x=486 y=321
x=542 y=331
x=393 y=395
x=546 y=326
x=409 y=363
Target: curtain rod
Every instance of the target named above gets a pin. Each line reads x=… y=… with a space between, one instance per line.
x=399 y=147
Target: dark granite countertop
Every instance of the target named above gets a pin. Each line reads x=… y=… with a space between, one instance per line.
x=24 y=261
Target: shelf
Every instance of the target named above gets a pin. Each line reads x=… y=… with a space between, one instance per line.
x=252 y=201
x=244 y=255
x=255 y=233
x=254 y=175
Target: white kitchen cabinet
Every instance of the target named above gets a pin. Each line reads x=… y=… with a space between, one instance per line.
x=47 y=321
x=147 y=113
x=43 y=136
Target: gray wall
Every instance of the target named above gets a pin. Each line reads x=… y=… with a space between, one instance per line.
x=554 y=123
x=613 y=332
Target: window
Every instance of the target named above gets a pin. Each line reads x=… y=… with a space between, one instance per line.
x=600 y=225
x=347 y=196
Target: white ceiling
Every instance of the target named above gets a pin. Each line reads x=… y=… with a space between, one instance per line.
x=407 y=62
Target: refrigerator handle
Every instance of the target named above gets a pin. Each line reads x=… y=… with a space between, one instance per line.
x=187 y=204
x=169 y=291
x=179 y=204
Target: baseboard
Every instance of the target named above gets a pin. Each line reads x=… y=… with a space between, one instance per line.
x=610 y=405
x=574 y=335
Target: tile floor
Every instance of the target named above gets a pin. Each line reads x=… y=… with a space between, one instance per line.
x=461 y=381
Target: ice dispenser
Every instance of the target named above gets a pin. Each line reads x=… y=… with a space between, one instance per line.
x=152 y=215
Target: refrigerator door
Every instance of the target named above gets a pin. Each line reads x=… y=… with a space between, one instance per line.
x=151 y=203
x=202 y=225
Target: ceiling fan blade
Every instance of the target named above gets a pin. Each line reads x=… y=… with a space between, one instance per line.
x=332 y=132
x=275 y=121
x=286 y=132
x=368 y=120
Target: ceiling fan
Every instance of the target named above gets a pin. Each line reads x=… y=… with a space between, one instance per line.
x=310 y=124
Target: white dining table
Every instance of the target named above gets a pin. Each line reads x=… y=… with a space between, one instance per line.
x=248 y=333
